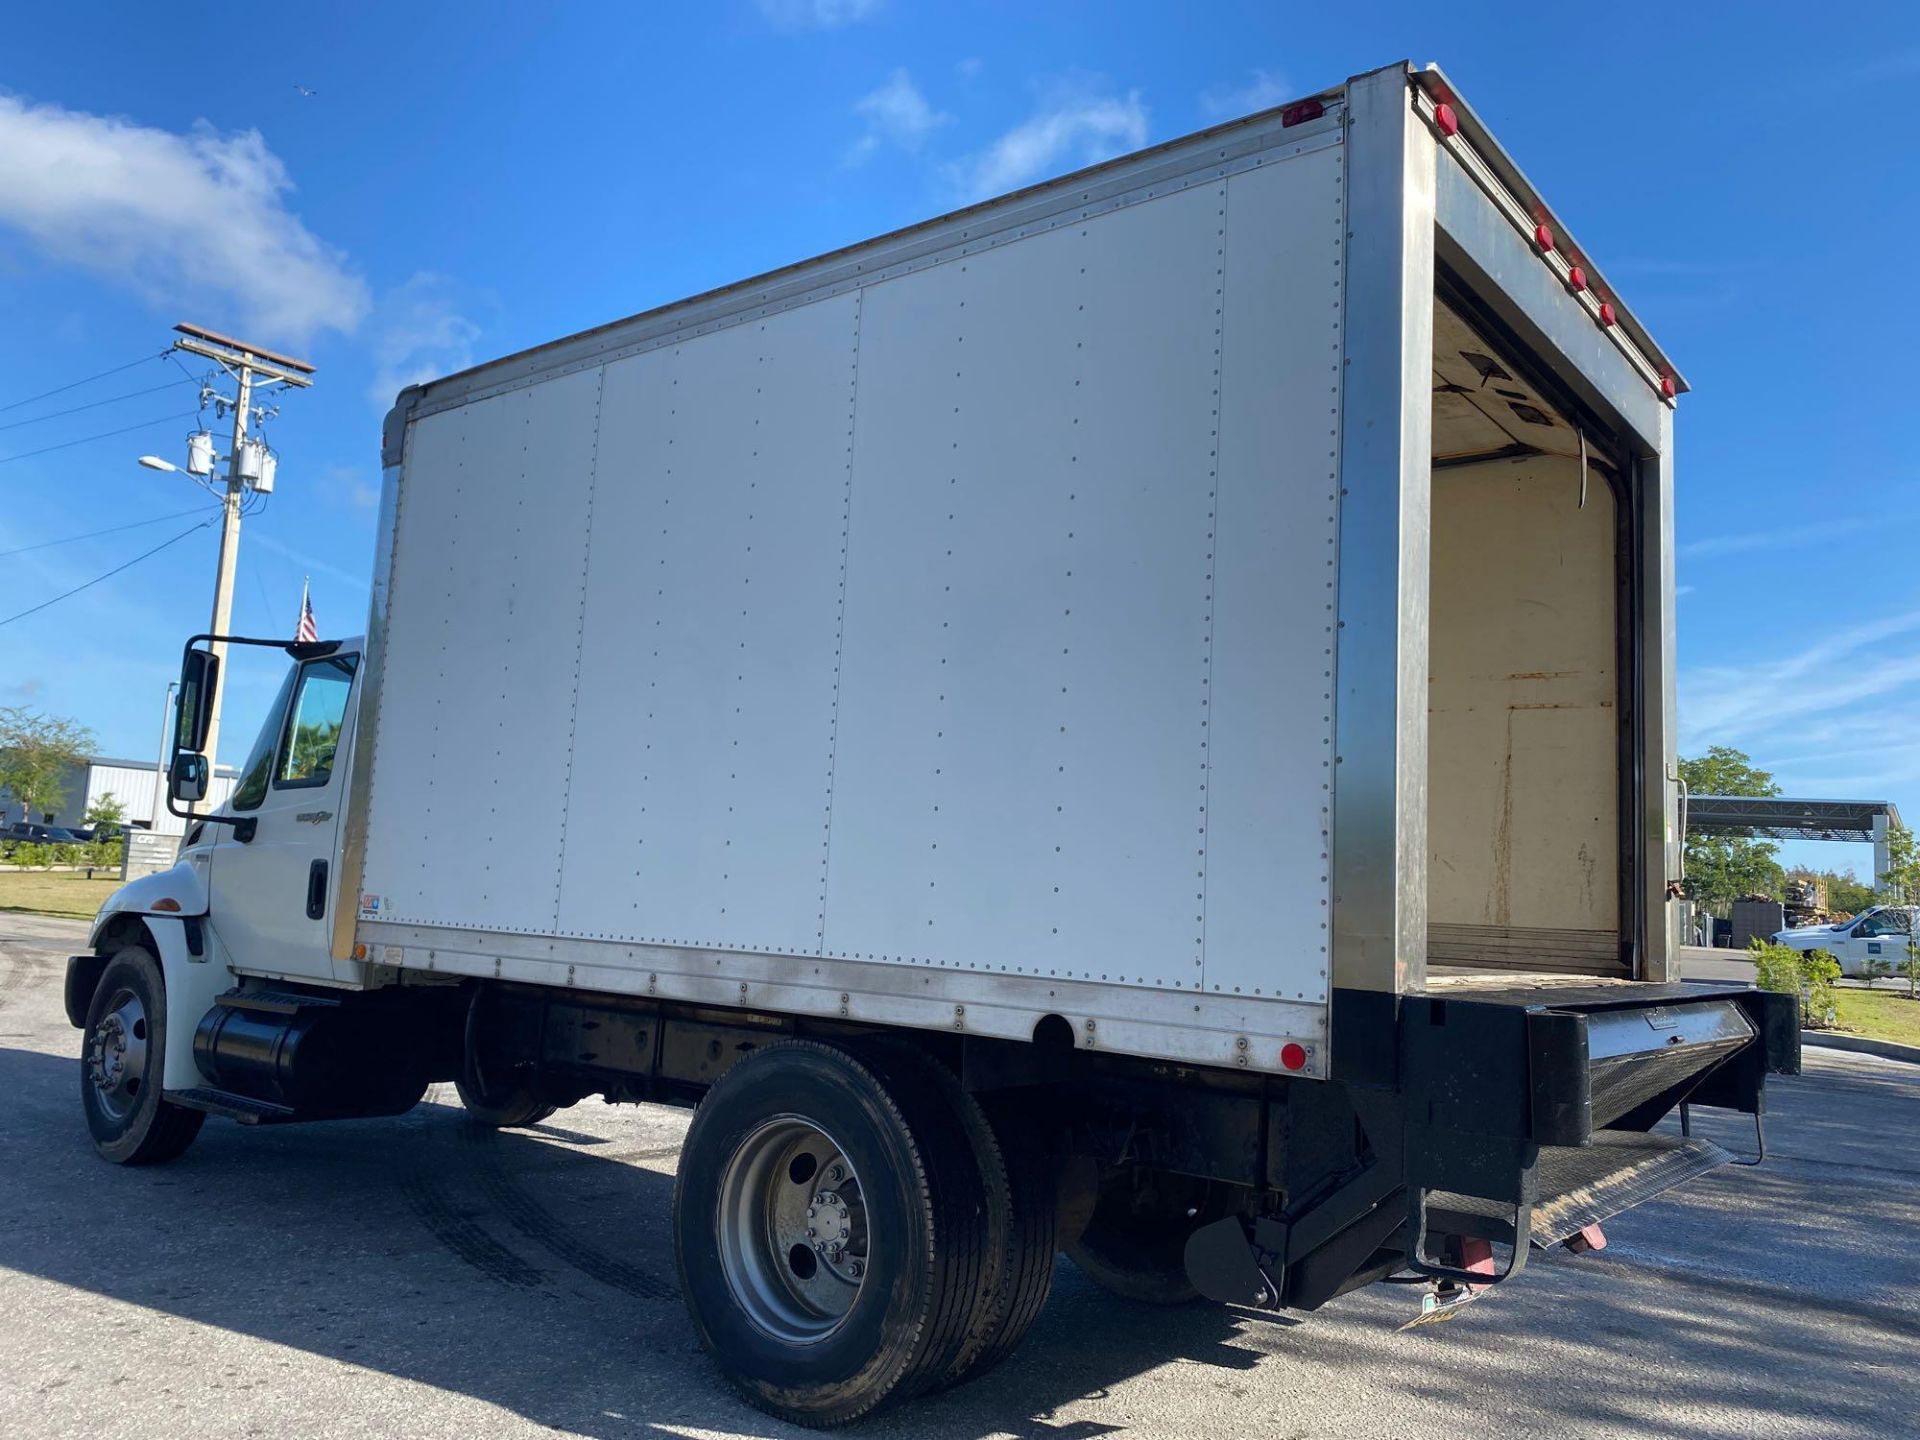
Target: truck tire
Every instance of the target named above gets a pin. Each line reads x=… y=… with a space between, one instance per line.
x=1135 y=1243
x=831 y=1232
x=504 y=1105
x=123 y=1048
x=1020 y=1201
x=1033 y=1212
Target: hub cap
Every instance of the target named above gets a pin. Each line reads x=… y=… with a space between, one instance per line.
x=792 y=1226
x=117 y=1055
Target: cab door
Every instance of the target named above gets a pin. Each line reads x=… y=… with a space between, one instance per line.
x=271 y=887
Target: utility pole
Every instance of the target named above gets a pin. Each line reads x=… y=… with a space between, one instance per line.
x=249 y=465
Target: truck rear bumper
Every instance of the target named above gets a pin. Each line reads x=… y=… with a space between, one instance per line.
x=1508 y=1112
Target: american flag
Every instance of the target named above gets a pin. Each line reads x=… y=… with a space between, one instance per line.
x=308 y=631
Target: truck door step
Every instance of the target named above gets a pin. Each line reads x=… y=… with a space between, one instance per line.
x=243 y=1108
x=276 y=1002
x=1582 y=1185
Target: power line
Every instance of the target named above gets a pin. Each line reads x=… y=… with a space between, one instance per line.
x=94 y=534
x=34 y=610
x=75 y=385
x=95 y=404
x=103 y=435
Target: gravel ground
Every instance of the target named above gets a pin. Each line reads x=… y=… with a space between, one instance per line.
x=403 y=1278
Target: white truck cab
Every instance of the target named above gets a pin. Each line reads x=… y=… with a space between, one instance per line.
x=1880 y=934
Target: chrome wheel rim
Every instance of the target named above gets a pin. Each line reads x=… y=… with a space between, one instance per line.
x=792 y=1225
x=117 y=1054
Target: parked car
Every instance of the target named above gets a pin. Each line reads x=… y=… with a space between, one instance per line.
x=24 y=832
x=1879 y=934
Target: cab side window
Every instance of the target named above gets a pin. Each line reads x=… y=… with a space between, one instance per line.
x=252 y=786
x=314 y=724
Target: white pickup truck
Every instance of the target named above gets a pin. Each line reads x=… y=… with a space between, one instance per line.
x=1880 y=934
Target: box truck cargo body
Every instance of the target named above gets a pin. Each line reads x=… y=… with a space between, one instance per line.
x=1158 y=686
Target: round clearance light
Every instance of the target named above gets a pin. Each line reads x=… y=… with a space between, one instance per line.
x=1293 y=1056
x=1543 y=237
x=1446 y=120
x=1607 y=317
x=1576 y=279
x=1667 y=387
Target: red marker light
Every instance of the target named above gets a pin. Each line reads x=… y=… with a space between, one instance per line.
x=1446 y=120
x=1293 y=1056
x=1667 y=387
x=1607 y=317
x=1300 y=112
x=1543 y=237
x=1576 y=279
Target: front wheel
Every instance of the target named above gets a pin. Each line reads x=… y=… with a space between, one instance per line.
x=121 y=1062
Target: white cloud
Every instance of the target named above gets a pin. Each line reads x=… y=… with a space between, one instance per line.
x=197 y=219
x=349 y=485
x=897 y=114
x=818 y=14
x=311 y=564
x=1077 y=125
x=1263 y=90
x=421 y=334
x=1839 y=715
x=1786 y=541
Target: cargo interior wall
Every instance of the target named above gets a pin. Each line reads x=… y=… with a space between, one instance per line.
x=1523 y=795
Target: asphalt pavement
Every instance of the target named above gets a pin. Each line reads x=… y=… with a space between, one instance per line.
x=413 y=1278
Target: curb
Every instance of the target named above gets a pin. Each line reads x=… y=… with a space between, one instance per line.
x=1885 y=1049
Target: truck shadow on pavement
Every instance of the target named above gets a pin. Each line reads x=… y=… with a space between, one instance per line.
x=530 y=1269
x=533 y=1270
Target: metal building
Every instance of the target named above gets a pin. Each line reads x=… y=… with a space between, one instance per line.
x=136 y=784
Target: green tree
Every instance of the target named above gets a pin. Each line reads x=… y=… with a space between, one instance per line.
x=107 y=816
x=1721 y=868
x=36 y=751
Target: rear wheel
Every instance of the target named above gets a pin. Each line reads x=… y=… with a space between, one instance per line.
x=121 y=1066
x=1025 y=1275
x=1135 y=1242
x=501 y=1105
x=830 y=1225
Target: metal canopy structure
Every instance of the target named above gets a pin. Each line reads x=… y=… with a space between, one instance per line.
x=1780 y=817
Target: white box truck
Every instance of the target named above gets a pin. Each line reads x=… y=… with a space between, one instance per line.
x=1134 y=718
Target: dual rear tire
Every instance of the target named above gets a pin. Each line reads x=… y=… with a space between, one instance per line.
x=853 y=1230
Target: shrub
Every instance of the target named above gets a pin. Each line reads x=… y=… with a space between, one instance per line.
x=106 y=854
x=1807 y=973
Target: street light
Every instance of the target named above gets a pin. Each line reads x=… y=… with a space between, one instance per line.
x=154 y=462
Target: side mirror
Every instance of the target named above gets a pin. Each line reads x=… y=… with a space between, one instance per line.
x=193 y=712
x=187 y=780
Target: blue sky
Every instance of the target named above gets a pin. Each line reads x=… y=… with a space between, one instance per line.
x=483 y=177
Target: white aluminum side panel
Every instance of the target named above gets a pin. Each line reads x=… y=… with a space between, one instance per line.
x=705 y=725
x=471 y=756
x=974 y=622
x=1269 y=878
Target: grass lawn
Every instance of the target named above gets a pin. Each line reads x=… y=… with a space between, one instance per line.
x=1878 y=1014
x=56 y=892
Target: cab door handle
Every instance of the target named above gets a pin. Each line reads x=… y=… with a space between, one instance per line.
x=317 y=890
